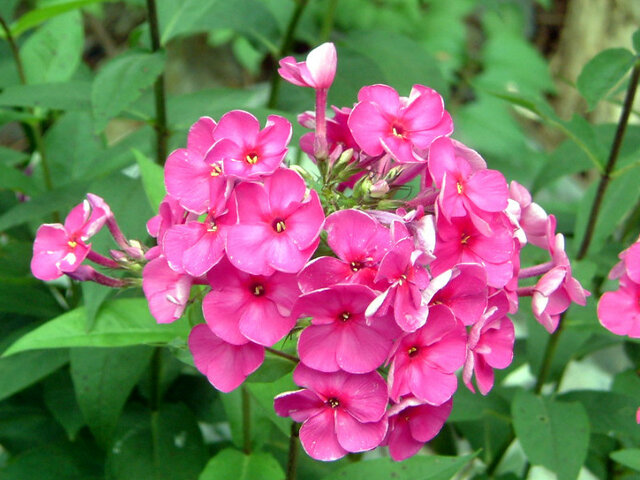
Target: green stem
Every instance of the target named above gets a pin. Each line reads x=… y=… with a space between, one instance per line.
x=292 y=463
x=547 y=359
x=278 y=353
x=287 y=41
x=14 y=50
x=246 y=420
x=605 y=176
x=327 y=25
x=160 y=124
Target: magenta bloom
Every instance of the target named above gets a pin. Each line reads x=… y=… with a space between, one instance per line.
x=339 y=337
x=359 y=241
x=167 y=292
x=278 y=225
x=340 y=412
x=629 y=265
x=170 y=213
x=245 y=150
x=60 y=249
x=619 y=311
x=424 y=362
x=241 y=307
x=490 y=344
x=317 y=71
x=412 y=424
x=383 y=121
x=225 y=365
x=532 y=218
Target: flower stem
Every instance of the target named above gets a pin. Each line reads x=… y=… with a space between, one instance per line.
x=292 y=463
x=14 y=50
x=95 y=257
x=246 y=420
x=278 y=353
x=535 y=270
x=287 y=41
x=160 y=124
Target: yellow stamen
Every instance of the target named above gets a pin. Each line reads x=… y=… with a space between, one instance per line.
x=333 y=402
x=345 y=316
x=280 y=226
x=395 y=133
x=258 y=290
x=72 y=243
x=465 y=239
x=251 y=159
x=216 y=170
x=412 y=351
x=460 y=189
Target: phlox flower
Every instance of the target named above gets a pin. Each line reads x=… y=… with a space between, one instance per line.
x=339 y=337
x=170 y=213
x=241 y=307
x=278 y=227
x=382 y=121
x=317 y=71
x=340 y=412
x=59 y=249
x=532 y=218
x=167 y=291
x=424 y=362
x=629 y=264
x=412 y=424
x=619 y=311
x=225 y=365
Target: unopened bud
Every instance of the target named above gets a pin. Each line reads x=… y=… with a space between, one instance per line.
x=303 y=173
x=379 y=189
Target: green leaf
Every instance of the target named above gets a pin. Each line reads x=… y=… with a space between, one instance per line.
x=103 y=379
x=264 y=393
x=119 y=323
x=94 y=295
x=53 y=52
x=60 y=400
x=121 y=82
x=553 y=434
x=178 y=18
x=602 y=73
x=152 y=179
x=13 y=179
x=432 y=467
x=629 y=457
x=20 y=371
x=38 y=15
x=166 y=446
x=11 y=157
x=73 y=95
x=230 y=464
x=636 y=41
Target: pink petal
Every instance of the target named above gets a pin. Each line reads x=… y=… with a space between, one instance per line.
x=323 y=272
x=401 y=443
x=488 y=190
x=361 y=349
x=321 y=63
x=318 y=437
x=77 y=217
x=248 y=248
x=299 y=405
x=427 y=421
x=317 y=347
x=354 y=436
x=187 y=177
x=284 y=187
x=239 y=126
x=275 y=136
x=262 y=323
x=431 y=385
x=222 y=310
x=200 y=138
x=352 y=235
x=368 y=125
x=364 y=396
x=304 y=224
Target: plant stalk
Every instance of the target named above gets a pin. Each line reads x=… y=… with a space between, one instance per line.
x=292 y=463
x=278 y=353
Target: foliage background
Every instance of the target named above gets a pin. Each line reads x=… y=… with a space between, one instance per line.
x=81 y=117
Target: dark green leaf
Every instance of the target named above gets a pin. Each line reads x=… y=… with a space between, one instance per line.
x=94 y=295
x=60 y=399
x=119 y=323
x=73 y=95
x=121 y=82
x=629 y=458
x=264 y=393
x=230 y=464
x=13 y=179
x=553 y=434
x=152 y=179
x=20 y=371
x=48 y=462
x=53 y=52
x=603 y=72
x=103 y=379
x=11 y=157
x=432 y=467
x=27 y=298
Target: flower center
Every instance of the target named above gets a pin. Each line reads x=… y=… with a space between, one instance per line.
x=333 y=402
x=251 y=158
x=465 y=238
x=279 y=225
x=402 y=279
x=355 y=266
x=72 y=243
x=257 y=289
x=412 y=352
x=344 y=316
x=216 y=170
x=397 y=131
x=460 y=188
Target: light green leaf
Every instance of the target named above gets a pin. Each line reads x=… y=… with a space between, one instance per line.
x=432 y=467
x=119 y=323
x=152 y=179
x=20 y=371
x=121 y=82
x=553 y=434
x=13 y=179
x=103 y=379
x=230 y=464
x=602 y=73
x=636 y=41
x=11 y=157
x=629 y=457
x=94 y=295
x=73 y=95
x=53 y=52
x=178 y=18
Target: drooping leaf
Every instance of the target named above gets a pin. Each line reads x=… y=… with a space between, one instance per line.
x=121 y=82
x=25 y=369
x=230 y=464
x=552 y=433
x=178 y=18
x=103 y=379
x=60 y=400
x=602 y=73
x=119 y=323
x=53 y=53
x=72 y=95
x=152 y=179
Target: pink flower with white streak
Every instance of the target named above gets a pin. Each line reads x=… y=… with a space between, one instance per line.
x=225 y=365
x=382 y=121
x=279 y=224
x=317 y=71
x=170 y=213
x=619 y=311
x=412 y=424
x=241 y=307
x=340 y=412
x=167 y=291
x=339 y=337
x=60 y=249
x=532 y=218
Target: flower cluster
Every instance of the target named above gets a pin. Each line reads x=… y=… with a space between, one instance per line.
x=388 y=297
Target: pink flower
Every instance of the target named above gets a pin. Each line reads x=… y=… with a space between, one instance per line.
x=60 y=249
x=245 y=150
x=225 y=365
x=412 y=424
x=619 y=311
x=630 y=264
x=384 y=121
x=317 y=71
x=278 y=225
x=339 y=137
x=490 y=344
x=170 y=213
x=241 y=307
x=339 y=337
x=167 y=292
x=359 y=241
x=340 y=412
x=533 y=218
x=425 y=361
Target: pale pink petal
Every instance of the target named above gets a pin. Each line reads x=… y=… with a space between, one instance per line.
x=321 y=63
